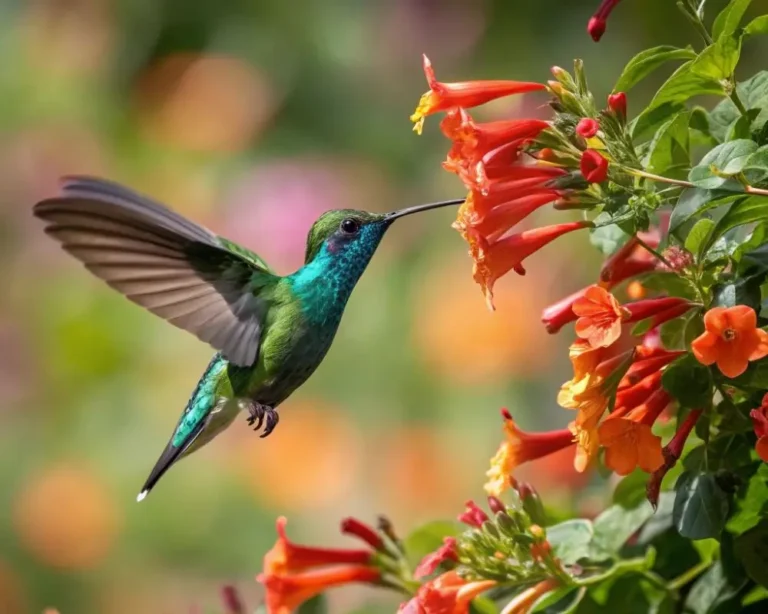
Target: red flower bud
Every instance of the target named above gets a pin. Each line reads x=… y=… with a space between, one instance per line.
x=596 y=25
x=473 y=515
x=618 y=104
x=594 y=167
x=596 y=28
x=496 y=505
x=587 y=127
x=352 y=526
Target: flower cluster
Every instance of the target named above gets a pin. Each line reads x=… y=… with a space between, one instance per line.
x=669 y=349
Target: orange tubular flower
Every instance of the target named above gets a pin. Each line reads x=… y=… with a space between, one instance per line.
x=445 y=96
x=599 y=317
x=474 y=145
x=731 y=339
x=522 y=603
x=286 y=593
x=650 y=360
x=287 y=557
x=449 y=593
x=760 y=424
x=629 y=441
x=286 y=588
x=521 y=447
x=496 y=259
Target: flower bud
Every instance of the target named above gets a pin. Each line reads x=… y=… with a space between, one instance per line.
x=618 y=104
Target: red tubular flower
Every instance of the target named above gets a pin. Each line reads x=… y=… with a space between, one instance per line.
x=286 y=593
x=232 y=601
x=630 y=259
x=651 y=359
x=618 y=104
x=444 y=96
x=597 y=23
x=353 y=526
x=521 y=447
x=561 y=313
x=760 y=424
x=287 y=557
x=286 y=589
x=473 y=515
x=639 y=393
x=587 y=127
x=594 y=167
x=449 y=593
x=446 y=552
x=473 y=142
x=495 y=259
x=657 y=307
x=672 y=453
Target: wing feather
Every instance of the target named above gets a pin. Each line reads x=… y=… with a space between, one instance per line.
x=158 y=259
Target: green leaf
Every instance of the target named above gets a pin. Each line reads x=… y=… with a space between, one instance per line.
x=701 y=506
x=752 y=549
x=728 y=451
x=755 y=377
x=753 y=93
x=719 y=164
x=759 y=25
x=740 y=291
x=756 y=167
x=673 y=332
x=752 y=504
x=745 y=211
x=645 y=62
x=682 y=85
x=428 y=538
x=608 y=238
x=696 y=240
x=617 y=524
x=718 y=61
x=563 y=600
x=689 y=382
x=668 y=153
x=316 y=605
x=727 y=22
x=571 y=540
x=482 y=605
x=630 y=492
x=696 y=202
x=742 y=127
x=713 y=590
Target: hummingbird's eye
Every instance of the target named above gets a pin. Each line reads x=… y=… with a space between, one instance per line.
x=350 y=226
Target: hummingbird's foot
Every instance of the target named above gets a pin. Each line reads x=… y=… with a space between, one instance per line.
x=259 y=414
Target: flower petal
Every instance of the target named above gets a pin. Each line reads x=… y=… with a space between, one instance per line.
x=762 y=345
x=715 y=320
x=705 y=348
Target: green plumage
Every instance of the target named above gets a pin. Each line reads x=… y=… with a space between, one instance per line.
x=271 y=332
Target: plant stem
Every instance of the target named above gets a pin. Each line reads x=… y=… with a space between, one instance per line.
x=687 y=184
x=734 y=96
x=658 y=255
x=692 y=13
x=689 y=575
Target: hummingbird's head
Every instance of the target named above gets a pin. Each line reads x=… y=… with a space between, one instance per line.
x=357 y=233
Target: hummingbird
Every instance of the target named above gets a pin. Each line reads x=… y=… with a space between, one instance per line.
x=270 y=332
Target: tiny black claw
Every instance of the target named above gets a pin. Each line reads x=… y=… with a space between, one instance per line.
x=258 y=414
x=272 y=419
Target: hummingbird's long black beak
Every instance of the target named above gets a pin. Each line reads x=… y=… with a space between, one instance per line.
x=391 y=217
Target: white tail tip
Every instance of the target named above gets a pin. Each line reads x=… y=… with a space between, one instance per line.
x=141 y=496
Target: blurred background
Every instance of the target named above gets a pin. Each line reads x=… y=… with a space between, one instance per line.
x=253 y=117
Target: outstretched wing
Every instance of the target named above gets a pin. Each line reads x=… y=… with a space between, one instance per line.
x=164 y=262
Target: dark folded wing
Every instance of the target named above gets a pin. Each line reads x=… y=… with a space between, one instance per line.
x=160 y=260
